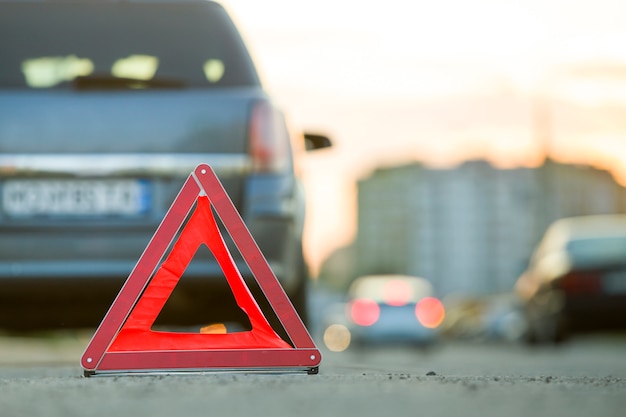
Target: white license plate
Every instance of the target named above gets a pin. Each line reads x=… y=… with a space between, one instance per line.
x=75 y=197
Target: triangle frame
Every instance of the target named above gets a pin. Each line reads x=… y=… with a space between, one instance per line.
x=105 y=354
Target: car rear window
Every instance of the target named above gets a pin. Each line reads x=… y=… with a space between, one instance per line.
x=597 y=251
x=120 y=45
x=382 y=289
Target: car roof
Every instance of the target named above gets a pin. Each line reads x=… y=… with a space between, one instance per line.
x=586 y=239
x=584 y=227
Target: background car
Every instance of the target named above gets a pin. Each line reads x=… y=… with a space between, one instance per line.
x=105 y=108
x=491 y=317
x=385 y=309
x=576 y=279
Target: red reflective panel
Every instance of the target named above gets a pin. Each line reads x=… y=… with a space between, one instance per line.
x=397 y=292
x=364 y=312
x=430 y=312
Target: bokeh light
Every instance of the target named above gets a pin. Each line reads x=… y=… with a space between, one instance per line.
x=430 y=312
x=337 y=337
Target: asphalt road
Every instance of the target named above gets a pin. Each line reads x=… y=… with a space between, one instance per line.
x=586 y=377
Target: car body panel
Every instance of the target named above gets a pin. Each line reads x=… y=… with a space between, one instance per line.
x=396 y=324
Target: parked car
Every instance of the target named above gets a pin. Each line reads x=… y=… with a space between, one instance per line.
x=105 y=108
x=495 y=317
x=385 y=309
x=576 y=279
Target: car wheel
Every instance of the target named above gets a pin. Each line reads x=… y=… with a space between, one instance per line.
x=547 y=330
x=560 y=331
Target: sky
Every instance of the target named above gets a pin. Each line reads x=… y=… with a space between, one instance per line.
x=439 y=82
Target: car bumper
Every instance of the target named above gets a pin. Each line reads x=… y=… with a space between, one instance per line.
x=387 y=335
x=596 y=312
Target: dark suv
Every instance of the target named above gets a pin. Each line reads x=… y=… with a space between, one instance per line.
x=105 y=108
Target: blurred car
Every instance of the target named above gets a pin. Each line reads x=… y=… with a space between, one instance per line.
x=105 y=108
x=576 y=279
x=486 y=317
x=384 y=309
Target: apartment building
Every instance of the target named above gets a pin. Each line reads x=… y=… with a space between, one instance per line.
x=470 y=229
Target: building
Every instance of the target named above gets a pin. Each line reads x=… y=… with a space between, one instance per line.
x=470 y=229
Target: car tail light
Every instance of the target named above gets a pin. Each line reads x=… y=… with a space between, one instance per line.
x=364 y=312
x=269 y=139
x=430 y=312
x=580 y=283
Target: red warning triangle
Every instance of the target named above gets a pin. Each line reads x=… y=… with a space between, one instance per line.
x=125 y=343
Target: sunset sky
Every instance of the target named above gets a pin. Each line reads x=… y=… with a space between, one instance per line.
x=439 y=82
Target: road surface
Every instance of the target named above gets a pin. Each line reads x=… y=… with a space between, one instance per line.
x=586 y=377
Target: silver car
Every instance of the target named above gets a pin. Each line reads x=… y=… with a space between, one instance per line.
x=385 y=309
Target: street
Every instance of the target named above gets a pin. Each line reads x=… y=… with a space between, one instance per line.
x=40 y=376
x=436 y=186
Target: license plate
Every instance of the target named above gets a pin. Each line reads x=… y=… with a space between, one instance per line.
x=75 y=197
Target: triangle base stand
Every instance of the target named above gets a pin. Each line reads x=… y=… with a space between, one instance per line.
x=213 y=371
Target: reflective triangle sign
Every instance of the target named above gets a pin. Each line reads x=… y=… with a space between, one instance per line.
x=125 y=343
